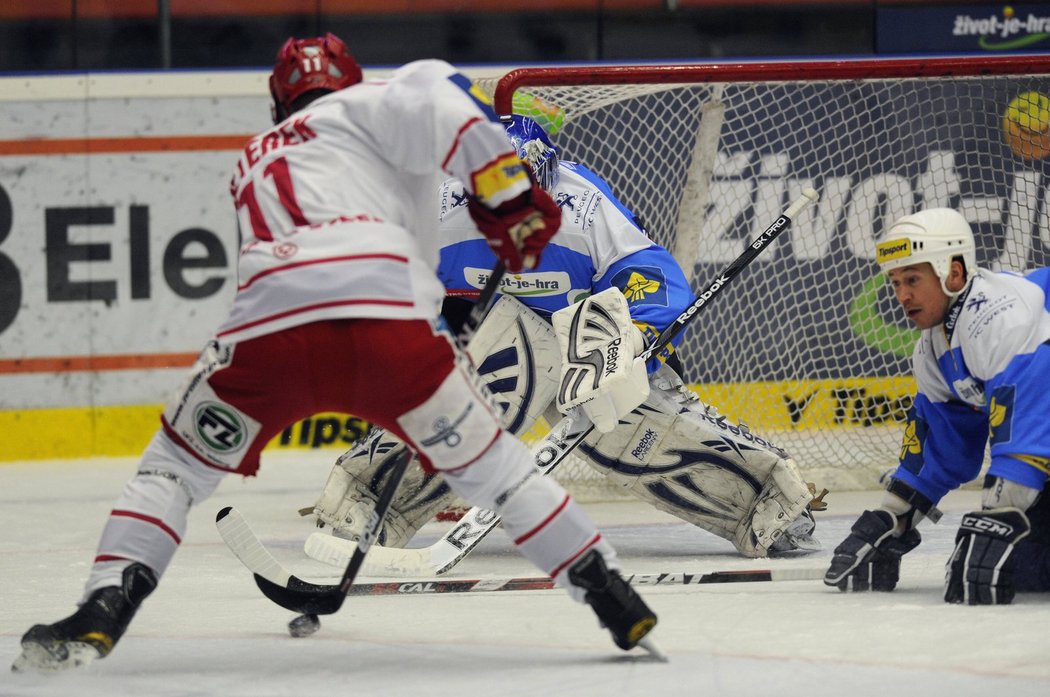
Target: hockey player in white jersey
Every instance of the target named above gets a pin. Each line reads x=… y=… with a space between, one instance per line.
x=337 y=310
x=672 y=450
x=982 y=366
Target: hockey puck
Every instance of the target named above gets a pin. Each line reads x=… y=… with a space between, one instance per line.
x=304 y=626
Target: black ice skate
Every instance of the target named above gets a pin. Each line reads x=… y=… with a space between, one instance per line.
x=92 y=631
x=619 y=608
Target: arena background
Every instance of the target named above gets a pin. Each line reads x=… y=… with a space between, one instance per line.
x=122 y=121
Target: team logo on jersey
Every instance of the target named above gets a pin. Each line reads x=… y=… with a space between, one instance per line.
x=220 y=428
x=563 y=200
x=910 y=444
x=913 y=441
x=1001 y=414
x=498 y=176
x=642 y=284
x=977 y=301
x=285 y=250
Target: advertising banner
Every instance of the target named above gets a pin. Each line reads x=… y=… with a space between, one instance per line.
x=963 y=27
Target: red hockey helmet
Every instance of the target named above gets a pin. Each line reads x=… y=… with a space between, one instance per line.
x=304 y=65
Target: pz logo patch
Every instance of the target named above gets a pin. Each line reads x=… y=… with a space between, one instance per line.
x=219 y=427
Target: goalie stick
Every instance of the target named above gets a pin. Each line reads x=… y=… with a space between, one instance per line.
x=288 y=590
x=463 y=537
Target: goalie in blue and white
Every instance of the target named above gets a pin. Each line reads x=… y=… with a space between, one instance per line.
x=608 y=289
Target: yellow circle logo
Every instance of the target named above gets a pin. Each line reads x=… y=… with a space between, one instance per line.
x=1026 y=125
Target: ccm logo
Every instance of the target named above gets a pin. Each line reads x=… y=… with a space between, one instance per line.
x=987 y=526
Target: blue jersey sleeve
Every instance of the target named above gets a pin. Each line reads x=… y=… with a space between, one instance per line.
x=656 y=291
x=943 y=446
x=1019 y=430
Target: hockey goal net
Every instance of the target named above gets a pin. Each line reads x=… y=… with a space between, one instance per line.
x=807 y=346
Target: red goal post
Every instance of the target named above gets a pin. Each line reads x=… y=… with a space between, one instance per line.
x=808 y=348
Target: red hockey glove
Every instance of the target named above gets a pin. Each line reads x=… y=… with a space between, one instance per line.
x=518 y=230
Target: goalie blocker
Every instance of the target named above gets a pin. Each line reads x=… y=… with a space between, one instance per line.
x=672 y=450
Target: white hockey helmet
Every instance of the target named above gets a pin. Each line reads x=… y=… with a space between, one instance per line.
x=936 y=235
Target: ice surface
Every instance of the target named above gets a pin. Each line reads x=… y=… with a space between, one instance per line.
x=207 y=630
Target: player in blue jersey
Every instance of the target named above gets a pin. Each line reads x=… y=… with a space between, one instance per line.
x=982 y=366
x=653 y=436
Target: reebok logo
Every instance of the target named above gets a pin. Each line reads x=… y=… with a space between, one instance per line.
x=704 y=297
x=644 y=445
x=612 y=357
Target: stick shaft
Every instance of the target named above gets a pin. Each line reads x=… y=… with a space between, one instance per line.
x=664 y=579
x=731 y=272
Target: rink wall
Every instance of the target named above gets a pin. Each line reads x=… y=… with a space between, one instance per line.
x=117 y=251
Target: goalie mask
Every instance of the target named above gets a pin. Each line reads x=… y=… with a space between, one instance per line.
x=307 y=65
x=535 y=148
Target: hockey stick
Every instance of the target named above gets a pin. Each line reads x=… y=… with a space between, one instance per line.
x=288 y=590
x=236 y=533
x=458 y=542
x=537 y=583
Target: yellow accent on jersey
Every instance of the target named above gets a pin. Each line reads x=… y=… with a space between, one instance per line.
x=1040 y=463
x=500 y=175
x=910 y=443
x=996 y=413
x=480 y=95
x=638 y=286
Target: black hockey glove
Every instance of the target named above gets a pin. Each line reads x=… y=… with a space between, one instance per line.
x=870 y=558
x=981 y=569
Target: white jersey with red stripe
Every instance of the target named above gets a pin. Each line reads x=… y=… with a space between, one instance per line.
x=337 y=204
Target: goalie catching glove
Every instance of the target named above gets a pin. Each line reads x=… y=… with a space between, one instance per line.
x=519 y=229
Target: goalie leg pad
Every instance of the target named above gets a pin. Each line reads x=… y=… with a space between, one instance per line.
x=516 y=354
x=781 y=511
x=705 y=470
x=353 y=487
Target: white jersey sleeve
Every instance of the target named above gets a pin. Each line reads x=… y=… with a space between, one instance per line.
x=455 y=127
x=339 y=199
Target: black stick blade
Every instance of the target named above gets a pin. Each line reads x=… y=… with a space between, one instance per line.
x=302 y=596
